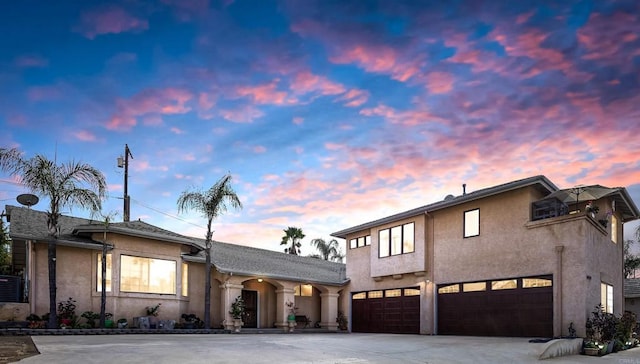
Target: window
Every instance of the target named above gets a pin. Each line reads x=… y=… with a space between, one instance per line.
x=147 y=275
x=393 y=293
x=474 y=287
x=360 y=296
x=411 y=292
x=185 y=279
x=606 y=297
x=99 y=274
x=452 y=288
x=614 y=229
x=504 y=284
x=536 y=282
x=360 y=242
x=303 y=290
x=471 y=223
x=375 y=294
x=396 y=240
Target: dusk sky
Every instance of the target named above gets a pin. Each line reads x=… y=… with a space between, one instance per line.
x=327 y=114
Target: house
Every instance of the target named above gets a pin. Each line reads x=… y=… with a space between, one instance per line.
x=523 y=258
x=632 y=296
x=147 y=265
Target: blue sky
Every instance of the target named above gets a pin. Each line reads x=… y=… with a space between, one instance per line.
x=327 y=113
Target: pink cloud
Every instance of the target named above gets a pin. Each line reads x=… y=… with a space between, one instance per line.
x=110 y=20
x=31 y=61
x=306 y=82
x=298 y=120
x=407 y=118
x=177 y=131
x=85 y=136
x=150 y=104
x=439 y=82
x=242 y=115
x=17 y=120
x=206 y=101
x=348 y=48
x=185 y=10
x=354 y=97
x=264 y=94
x=259 y=149
x=611 y=38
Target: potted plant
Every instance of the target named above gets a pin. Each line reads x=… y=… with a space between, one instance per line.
x=67 y=313
x=108 y=320
x=122 y=323
x=91 y=318
x=291 y=317
x=343 y=324
x=237 y=311
x=36 y=322
x=152 y=313
x=191 y=321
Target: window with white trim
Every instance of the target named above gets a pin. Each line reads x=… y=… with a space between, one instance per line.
x=360 y=242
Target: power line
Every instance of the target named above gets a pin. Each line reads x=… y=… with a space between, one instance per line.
x=165 y=213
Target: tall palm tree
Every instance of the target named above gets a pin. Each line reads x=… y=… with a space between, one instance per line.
x=328 y=250
x=66 y=185
x=211 y=203
x=292 y=237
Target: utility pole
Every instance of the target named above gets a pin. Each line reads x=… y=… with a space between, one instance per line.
x=124 y=162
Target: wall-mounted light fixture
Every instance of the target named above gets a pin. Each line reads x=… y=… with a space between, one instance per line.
x=259 y=280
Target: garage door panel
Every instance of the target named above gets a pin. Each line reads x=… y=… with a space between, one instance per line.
x=508 y=312
x=399 y=314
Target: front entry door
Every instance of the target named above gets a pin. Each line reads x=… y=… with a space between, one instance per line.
x=250 y=299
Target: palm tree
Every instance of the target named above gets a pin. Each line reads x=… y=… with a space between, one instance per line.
x=328 y=250
x=211 y=203
x=292 y=237
x=66 y=185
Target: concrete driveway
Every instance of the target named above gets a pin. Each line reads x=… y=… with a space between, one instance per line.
x=299 y=348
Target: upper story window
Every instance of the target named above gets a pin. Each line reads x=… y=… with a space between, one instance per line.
x=360 y=242
x=396 y=240
x=471 y=223
x=147 y=275
x=614 y=229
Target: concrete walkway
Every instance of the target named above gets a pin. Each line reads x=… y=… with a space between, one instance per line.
x=302 y=348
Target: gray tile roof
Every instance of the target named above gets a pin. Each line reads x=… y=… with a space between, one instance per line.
x=238 y=259
x=539 y=181
x=29 y=224
x=632 y=288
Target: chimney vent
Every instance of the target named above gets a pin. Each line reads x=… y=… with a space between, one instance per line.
x=464 y=189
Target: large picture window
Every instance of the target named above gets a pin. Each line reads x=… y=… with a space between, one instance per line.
x=471 y=223
x=99 y=273
x=147 y=275
x=396 y=240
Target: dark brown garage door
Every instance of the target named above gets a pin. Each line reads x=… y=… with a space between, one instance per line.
x=508 y=307
x=387 y=311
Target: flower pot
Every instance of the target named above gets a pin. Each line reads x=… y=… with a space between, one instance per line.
x=591 y=351
x=108 y=323
x=237 y=324
x=292 y=325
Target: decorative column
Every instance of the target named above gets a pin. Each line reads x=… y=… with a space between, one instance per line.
x=230 y=291
x=283 y=296
x=329 y=310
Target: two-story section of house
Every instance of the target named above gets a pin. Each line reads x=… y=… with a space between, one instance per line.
x=518 y=259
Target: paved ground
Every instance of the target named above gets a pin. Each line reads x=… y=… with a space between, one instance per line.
x=302 y=348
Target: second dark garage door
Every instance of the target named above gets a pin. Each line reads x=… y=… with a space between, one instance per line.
x=394 y=311
x=510 y=307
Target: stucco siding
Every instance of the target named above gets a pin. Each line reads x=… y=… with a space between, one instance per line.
x=402 y=263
